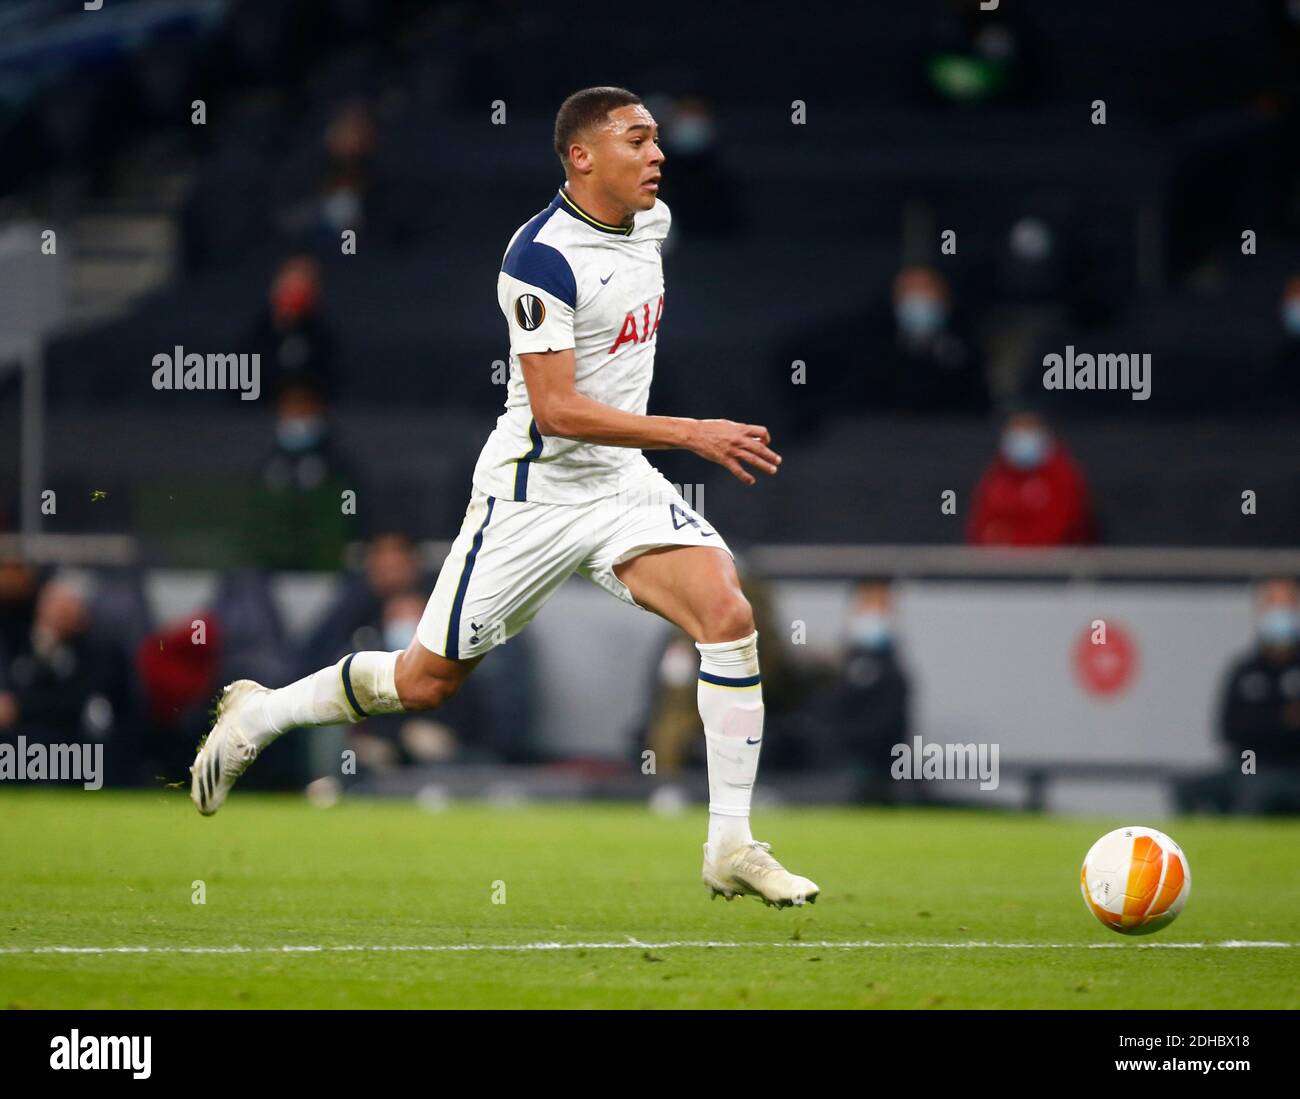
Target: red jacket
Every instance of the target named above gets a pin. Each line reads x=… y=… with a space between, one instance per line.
x=1047 y=506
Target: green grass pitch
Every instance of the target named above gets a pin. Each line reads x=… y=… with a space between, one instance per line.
x=108 y=869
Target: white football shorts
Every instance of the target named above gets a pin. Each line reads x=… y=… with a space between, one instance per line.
x=510 y=556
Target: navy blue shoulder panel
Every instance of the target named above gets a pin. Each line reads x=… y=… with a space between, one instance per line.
x=541 y=265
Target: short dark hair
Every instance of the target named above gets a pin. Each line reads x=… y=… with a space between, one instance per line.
x=585 y=109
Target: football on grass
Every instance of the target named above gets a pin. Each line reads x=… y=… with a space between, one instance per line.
x=1136 y=880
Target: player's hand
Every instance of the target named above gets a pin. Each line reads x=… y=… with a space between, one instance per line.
x=729 y=444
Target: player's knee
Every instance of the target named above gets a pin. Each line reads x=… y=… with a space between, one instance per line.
x=428 y=692
x=419 y=686
x=730 y=619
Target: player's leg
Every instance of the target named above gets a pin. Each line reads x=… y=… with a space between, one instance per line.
x=696 y=588
x=361 y=685
x=425 y=680
x=507 y=560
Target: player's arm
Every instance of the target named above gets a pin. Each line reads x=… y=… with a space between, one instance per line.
x=560 y=410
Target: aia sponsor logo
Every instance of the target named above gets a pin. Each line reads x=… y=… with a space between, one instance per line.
x=638 y=325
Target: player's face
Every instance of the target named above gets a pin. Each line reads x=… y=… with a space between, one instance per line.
x=626 y=158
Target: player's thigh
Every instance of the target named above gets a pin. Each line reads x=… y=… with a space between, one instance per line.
x=508 y=559
x=650 y=548
x=694 y=587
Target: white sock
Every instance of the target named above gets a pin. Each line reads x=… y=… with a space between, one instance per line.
x=731 y=706
x=358 y=686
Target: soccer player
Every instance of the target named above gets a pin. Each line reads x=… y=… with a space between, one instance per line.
x=562 y=486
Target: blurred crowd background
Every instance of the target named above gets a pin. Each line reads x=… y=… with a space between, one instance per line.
x=809 y=246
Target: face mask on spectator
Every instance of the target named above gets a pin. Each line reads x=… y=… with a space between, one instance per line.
x=341 y=209
x=1291 y=316
x=870 y=630
x=298 y=433
x=691 y=135
x=920 y=315
x=1025 y=447
x=399 y=632
x=1279 y=626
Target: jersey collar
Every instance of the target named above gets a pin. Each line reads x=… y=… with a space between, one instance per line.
x=565 y=203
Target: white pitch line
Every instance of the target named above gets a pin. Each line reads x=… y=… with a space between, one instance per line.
x=631 y=944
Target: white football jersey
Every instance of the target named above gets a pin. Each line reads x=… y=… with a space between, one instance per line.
x=568 y=280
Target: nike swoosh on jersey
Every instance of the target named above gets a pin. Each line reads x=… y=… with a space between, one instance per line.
x=606 y=278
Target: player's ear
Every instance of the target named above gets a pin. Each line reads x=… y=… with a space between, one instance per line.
x=579 y=158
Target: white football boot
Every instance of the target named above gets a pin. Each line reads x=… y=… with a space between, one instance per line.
x=225 y=752
x=751 y=870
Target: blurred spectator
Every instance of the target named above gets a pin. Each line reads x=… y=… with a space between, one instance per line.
x=507 y=685
x=290 y=334
x=304 y=456
x=349 y=148
x=700 y=191
x=180 y=680
x=309 y=502
x=254 y=643
x=1289 y=358
x=351 y=621
x=60 y=684
x=349 y=189
x=853 y=722
x=179 y=665
x=976 y=56
x=931 y=364
x=19 y=586
x=1032 y=494
x=912 y=351
x=1259 y=713
x=1261 y=706
x=1036 y=263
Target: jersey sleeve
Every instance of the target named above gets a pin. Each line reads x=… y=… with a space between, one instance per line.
x=538 y=294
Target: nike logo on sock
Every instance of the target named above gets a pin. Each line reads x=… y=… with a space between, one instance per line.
x=752 y=740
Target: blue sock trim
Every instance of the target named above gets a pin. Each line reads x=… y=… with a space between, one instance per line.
x=347 y=688
x=728 y=681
